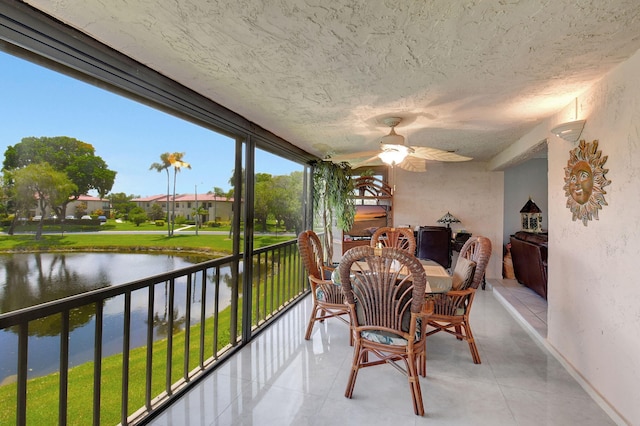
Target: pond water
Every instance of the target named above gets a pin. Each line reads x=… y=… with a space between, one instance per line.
x=32 y=278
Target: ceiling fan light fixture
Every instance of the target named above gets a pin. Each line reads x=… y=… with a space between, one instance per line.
x=392 y=139
x=393 y=155
x=393 y=147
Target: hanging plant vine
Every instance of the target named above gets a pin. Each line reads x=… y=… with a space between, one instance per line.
x=333 y=197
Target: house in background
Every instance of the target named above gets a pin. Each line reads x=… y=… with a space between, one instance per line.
x=93 y=204
x=217 y=208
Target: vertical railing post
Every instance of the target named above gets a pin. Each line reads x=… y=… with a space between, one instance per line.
x=216 y=309
x=278 y=290
x=256 y=282
x=23 y=356
x=126 y=342
x=64 y=369
x=171 y=296
x=149 y=365
x=187 y=328
x=97 y=363
x=271 y=284
x=203 y=314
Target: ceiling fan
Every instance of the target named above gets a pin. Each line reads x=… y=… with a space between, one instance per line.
x=394 y=152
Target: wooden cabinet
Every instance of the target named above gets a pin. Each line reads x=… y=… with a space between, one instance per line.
x=373 y=199
x=349 y=244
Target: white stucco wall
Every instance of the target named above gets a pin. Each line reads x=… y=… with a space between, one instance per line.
x=594 y=294
x=468 y=190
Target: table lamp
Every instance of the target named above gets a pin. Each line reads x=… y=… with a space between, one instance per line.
x=448 y=219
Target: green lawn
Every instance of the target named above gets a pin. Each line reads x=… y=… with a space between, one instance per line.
x=220 y=244
x=42 y=395
x=113 y=225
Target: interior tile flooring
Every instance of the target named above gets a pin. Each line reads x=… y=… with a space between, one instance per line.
x=282 y=379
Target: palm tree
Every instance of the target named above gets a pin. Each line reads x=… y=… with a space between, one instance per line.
x=159 y=167
x=217 y=192
x=176 y=162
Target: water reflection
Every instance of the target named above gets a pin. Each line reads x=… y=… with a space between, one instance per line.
x=30 y=279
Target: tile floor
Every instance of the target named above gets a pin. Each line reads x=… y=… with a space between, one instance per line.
x=281 y=379
x=524 y=303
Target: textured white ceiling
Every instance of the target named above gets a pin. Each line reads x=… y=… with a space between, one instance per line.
x=469 y=75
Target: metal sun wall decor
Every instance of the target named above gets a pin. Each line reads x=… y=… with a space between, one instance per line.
x=584 y=180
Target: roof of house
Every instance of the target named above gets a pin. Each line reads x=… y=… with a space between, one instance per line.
x=183 y=197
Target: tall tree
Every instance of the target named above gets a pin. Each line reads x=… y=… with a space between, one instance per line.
x=167 y=161
x=7 y=192
x=50 y=187
x=217 y=192
x=263 y=198
x=156 y=212
x=164 y=164
x=176 y=162
x=198 y=211
x=121 y=204
x=137 y=215
x=287 y=200
x=81 y=209
x=68 y=155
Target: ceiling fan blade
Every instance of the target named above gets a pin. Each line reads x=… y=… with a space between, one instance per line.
x=357 y=159
x=413 y=164
x=371 y=161
x=437 y=154
x=354 y=156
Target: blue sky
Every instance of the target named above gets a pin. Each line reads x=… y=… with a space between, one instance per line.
x=129 y=136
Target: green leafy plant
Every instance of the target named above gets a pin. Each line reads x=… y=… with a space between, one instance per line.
x=333 y=198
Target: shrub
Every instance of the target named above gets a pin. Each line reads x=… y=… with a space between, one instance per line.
x=137 y=216
x=6 y=221
x=159 y=222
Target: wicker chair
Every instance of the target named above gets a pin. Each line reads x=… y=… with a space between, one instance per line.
x=401 y=238
x=387 y=314
x=328 y=300
x=451 y=310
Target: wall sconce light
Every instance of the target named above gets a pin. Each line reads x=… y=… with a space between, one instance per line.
x=448 y=219
x=569 y=131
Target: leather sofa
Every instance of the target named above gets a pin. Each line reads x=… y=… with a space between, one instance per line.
x=529 y=256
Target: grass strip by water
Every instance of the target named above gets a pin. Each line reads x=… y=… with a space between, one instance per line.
x=133 y=242
x=43 y=392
